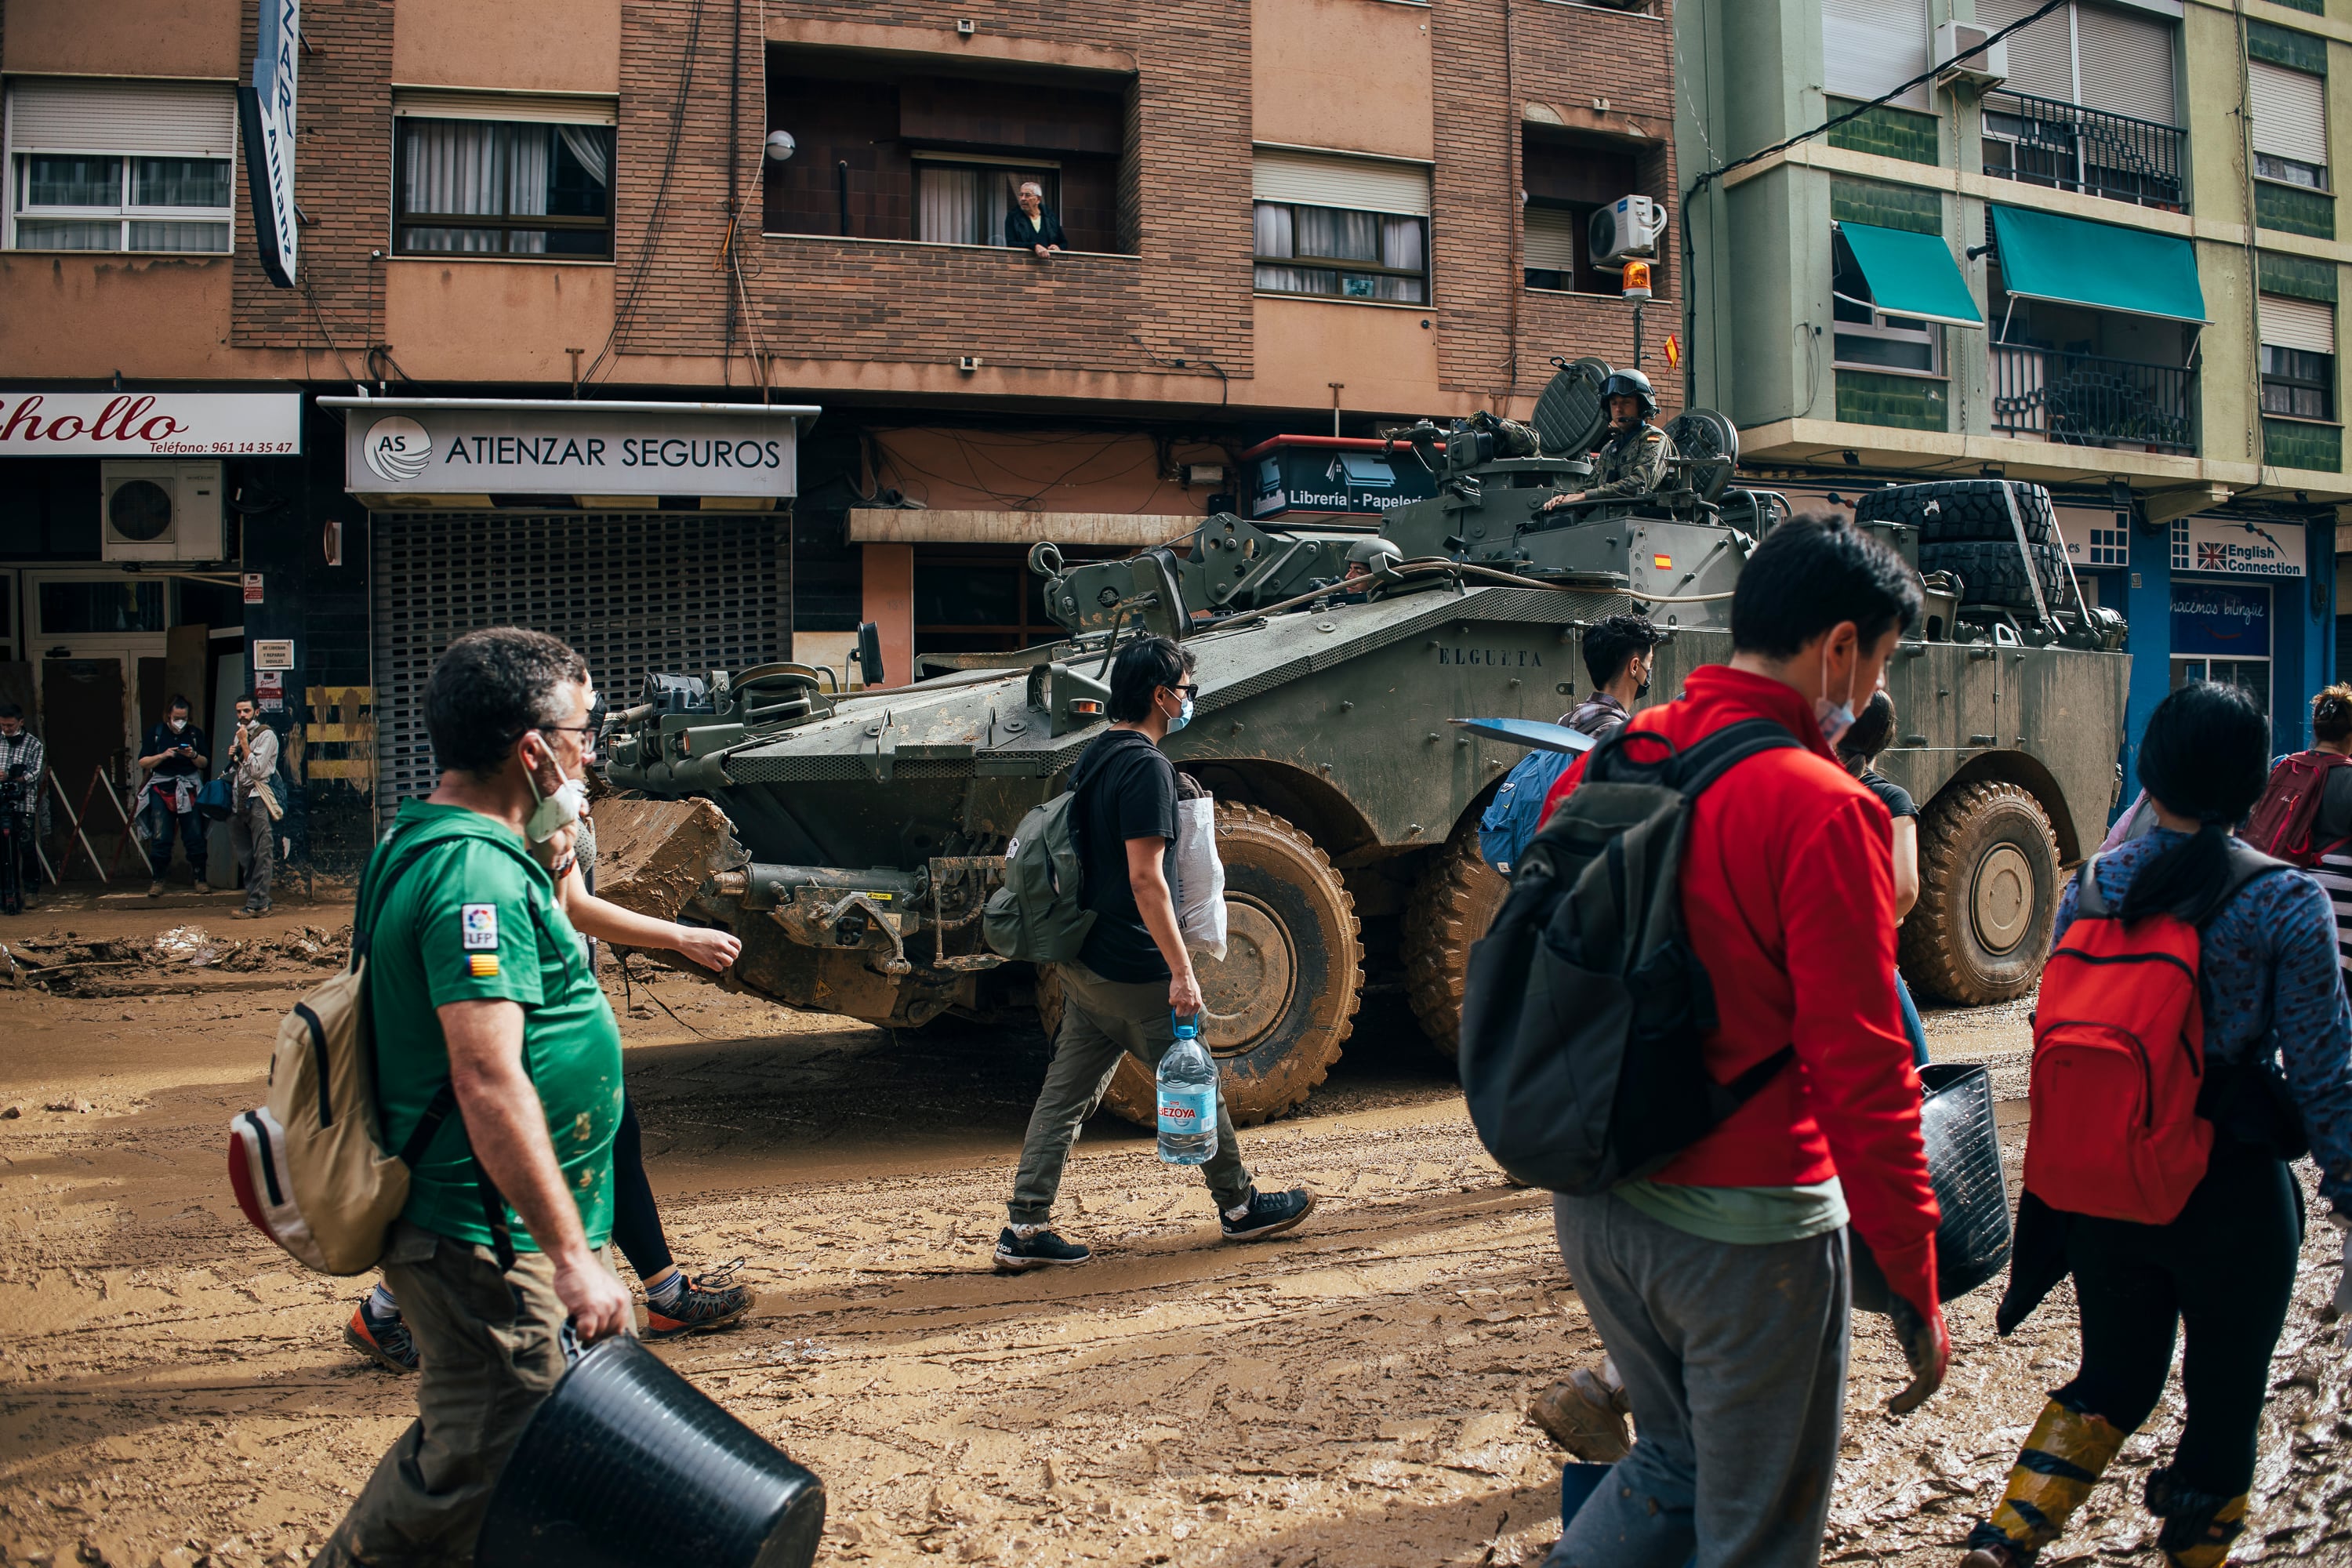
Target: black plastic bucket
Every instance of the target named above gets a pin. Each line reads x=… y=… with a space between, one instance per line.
x=627 y=1463
x=1964 y=1163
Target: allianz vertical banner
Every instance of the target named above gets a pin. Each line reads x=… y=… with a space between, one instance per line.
x=265 y=112
x=483 y=447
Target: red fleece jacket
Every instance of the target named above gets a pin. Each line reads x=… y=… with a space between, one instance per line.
x=1788 y=888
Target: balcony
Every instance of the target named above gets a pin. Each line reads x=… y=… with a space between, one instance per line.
x=2065 y=147
x=2084 y=400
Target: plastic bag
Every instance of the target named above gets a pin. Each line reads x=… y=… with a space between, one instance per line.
x=1200 y=878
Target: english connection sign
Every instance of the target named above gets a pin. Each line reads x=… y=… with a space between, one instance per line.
x=265 y=112
x=402 y=445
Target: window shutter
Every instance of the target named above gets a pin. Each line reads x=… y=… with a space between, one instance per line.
x=2298 y=324
x=1551 y=240
x=2126 y=65
x=2041 y=57
x=176 y=118
x=2290 y=112
x=1871 y=46
x=1355 y=185
x=540 y=108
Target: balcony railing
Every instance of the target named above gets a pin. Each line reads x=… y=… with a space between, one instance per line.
x=2064 y=146
x=2082 y=400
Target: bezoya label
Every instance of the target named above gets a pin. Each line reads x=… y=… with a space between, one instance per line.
x=1185 y=1111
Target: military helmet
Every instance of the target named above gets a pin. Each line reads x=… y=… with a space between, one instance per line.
x=1376 y=556
x=1631 y=384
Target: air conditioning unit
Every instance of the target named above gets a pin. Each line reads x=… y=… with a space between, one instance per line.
x=1980 y=72
x=159 y=511
x=1625 y=229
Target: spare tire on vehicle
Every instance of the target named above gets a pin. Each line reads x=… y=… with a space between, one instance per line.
x=1993 y=573
x=1958 y=511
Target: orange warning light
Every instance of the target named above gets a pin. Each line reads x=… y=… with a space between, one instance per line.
x=1637 y=280
x=1673 y=349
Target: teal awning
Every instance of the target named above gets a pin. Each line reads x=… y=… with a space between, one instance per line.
x=2108 y=268
x=1911 y=274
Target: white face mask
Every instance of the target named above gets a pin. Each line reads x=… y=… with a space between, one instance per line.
x=553 y=813
x=177 y=725
x=1836 y=718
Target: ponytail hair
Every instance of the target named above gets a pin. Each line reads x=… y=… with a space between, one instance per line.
x=2331 y=714
x=2206 y=755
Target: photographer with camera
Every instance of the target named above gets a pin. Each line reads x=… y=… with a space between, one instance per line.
x=22 y=762
x=174 y=759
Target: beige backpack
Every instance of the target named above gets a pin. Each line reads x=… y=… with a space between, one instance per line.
x=309 y=1166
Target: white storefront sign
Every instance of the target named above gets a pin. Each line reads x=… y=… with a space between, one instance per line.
x=150 y=424
x=398 y=446
x=266 y=117
x=2238 y=547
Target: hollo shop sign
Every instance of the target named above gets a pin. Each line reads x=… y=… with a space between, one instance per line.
x=484 y=446
x=150 y=424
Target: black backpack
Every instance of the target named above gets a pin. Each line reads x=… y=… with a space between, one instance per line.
x=1582 y=1019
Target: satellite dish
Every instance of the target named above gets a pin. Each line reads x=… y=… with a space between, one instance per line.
x=1569 y=415
x=1701 y=434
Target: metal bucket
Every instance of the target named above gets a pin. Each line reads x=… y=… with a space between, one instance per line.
x=627 y=1463
x=1964 y=1165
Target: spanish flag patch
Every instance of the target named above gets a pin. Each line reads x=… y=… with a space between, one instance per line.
x=482 y=965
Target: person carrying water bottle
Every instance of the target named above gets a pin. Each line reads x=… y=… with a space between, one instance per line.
x=1133 y=979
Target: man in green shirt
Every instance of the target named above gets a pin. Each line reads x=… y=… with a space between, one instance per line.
x=477 y=982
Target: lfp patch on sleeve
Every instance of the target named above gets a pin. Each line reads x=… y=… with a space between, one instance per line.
x=479 y=922
x=482 y=965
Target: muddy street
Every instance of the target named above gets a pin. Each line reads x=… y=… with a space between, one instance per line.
x=173 y=1390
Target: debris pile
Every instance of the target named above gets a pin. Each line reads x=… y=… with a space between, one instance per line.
x=63 y=960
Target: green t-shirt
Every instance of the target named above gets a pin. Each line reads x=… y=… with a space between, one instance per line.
x=475 y=919
x=1745 y=1217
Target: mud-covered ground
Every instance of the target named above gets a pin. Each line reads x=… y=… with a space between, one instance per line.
x=173 y=1390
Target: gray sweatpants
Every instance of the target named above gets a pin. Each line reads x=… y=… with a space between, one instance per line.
x=1734 y=1358
x=253 y=834
x=1101 y=1021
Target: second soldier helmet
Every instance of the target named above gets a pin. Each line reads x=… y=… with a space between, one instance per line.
x=1631 y=384
x=1375 y=556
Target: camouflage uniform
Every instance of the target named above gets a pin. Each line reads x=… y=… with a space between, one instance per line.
x=1631 y=464
x=1512 y=437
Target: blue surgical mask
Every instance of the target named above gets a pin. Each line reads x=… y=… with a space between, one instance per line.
x=1183 y=717
x=1835 y=718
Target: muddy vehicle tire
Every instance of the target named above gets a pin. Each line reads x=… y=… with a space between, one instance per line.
x=1451 y=907
x=1988 y=892
x=1283 y=1001
x=1956 y=511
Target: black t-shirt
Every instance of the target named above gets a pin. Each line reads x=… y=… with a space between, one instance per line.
x=162 y=739
x=1897 y=799
x=2335 y=823
x=1126 y=789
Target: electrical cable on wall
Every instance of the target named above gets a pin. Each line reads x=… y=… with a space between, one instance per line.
x=626 y=315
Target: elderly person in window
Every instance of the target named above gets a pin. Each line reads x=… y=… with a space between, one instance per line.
x=1032 y=225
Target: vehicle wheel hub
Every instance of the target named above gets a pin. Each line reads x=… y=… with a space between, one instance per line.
x=1248 y=991
x=2002 y=905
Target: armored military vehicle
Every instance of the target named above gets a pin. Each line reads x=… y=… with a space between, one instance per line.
x=862 y=832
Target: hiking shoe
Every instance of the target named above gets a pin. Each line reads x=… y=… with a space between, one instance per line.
x=707 y=1302
x=1580 y=1414
x=384 y=1341
x=1268 y=1215
x=1018 y=1254
x=155 y=888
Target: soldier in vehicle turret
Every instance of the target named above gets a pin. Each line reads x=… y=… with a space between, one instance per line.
x=1637 y=458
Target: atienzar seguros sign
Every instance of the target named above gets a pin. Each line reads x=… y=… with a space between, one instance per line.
x=477 y=446
x=150 y=424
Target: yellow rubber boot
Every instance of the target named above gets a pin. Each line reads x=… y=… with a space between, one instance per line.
x=2063 y=1457
x=2199 y=1527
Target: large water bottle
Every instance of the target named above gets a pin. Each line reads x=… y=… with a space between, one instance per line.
x=1188 y=1098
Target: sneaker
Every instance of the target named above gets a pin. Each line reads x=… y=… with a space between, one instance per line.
x=252 y=911
x=1265 y=1216
x=1581 y=1416
x=1018 y=1254
x=384 y=1341
x=155 y=888
x=707 y=1301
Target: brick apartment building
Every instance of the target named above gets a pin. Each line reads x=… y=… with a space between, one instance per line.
x=543 y=238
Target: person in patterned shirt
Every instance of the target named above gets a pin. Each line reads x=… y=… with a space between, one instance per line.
x=2272 y=996
x=22 y=762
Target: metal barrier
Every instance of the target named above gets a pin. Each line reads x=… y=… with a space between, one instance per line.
x=2043 y=141
x=2084 y=400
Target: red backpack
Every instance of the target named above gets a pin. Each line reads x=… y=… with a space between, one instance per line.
x=2286 y=818
x=2119 y=1058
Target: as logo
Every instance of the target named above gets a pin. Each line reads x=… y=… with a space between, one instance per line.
x=397 y=448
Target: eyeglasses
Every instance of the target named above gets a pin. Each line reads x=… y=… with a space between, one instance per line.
x=1185 y=691
x=585 y=731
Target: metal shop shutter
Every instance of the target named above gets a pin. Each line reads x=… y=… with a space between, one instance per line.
x=2302 y=324
x=1551 y=240
x=635 y=593
x=2290 y=112
x=1355 y=185
x=171 y=119
x=1871 y=46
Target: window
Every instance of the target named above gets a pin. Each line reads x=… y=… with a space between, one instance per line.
x=1867 y=337
x=96 y=165
x=2290 y=125
x=1871 y=46
x=2298 y=358
x=479 y=175
x=1364 y=221
x=1567 y=181
x=2117 y=62
x=961 y=201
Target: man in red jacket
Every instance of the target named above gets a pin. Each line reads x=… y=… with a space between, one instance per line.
x=1719 y=1284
